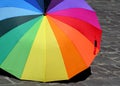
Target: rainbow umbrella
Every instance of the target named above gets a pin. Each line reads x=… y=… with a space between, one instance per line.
x=47 y=40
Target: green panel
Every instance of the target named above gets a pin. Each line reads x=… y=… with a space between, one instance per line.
x=9 y=40
x=15 y=61
x=9 y=24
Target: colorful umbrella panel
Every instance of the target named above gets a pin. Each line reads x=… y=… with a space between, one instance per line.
x=47 y=40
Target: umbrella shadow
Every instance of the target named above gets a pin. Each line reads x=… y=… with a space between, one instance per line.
x=79 y=77
x=6 y=74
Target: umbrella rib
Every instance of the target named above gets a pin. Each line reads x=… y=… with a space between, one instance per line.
x=70 y=42
x=36 y=5
x=77 y=27
x=13 y=22
x=82 y=14
x=17 y=4
x=52 y=15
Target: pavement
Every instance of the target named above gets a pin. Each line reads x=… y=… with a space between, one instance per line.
x=106 y=67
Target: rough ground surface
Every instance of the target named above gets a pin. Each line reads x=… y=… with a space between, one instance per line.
x=106 y=67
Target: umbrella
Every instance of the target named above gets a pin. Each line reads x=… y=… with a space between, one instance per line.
x=47 y=40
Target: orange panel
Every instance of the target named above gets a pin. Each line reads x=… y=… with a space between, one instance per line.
x=72 y=58
x=83 y=45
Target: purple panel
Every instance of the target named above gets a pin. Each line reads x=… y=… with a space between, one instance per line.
x=65 y=4
x=54 y=3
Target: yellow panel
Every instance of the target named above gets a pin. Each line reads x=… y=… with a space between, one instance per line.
x=45 y=61
x=35 y=66
x=55 y=68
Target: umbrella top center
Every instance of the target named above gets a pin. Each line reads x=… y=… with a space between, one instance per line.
x=44 y=14
x=46 y=4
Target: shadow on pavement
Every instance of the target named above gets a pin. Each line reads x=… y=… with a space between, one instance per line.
x=4 y=73
x=79 y=77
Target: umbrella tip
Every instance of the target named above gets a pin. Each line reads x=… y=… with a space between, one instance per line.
x=44 y=14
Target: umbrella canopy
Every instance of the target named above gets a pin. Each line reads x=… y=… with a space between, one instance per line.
x=47 y=40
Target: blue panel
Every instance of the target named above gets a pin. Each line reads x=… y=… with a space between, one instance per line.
x=9 y=12
x=18 y=4
x=41 y=3
x=36 y=4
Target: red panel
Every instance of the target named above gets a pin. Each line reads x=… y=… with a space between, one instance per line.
x=88 y=30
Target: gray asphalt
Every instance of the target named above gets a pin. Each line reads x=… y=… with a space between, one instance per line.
x=106 y=67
